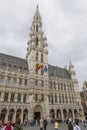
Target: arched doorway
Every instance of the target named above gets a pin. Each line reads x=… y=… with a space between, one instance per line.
x=52 y=114
x=59 y=114
x=76 y=114
x=18 y=114
x=64 y=114
x=70 y=113
x=25 y=114
x=11 y=113
x=3 y=114
x=38 y=113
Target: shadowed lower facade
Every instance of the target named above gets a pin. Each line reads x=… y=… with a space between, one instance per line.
x=31 y=88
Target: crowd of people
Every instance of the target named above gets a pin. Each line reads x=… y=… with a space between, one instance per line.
x=42 y=123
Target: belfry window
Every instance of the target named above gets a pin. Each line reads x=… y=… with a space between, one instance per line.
x=36 y=28
x=41 y=58
x=36 y=41
x=36 y=56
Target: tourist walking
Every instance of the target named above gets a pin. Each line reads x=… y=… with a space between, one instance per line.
x=56 y=124
x=17 y=125
x=41 y=124
x=45 y=124
x=8 y=126
x=70 y=126
x=76 y=126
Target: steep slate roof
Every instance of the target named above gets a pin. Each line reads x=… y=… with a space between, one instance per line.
x=13 y=63
x=58 y=72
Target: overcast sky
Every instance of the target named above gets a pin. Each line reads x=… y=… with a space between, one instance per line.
x=64 y=24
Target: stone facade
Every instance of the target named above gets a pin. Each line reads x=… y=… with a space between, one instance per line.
x=84 y=98
x=31 y=88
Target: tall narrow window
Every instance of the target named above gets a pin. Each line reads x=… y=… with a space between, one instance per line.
x=25 y=82
x=12 y=97
x=42 y=83
x=36 y=28
x=42 y=58
x=36 y=56
x=20 y=81
x=2 y=77
x=24 y=98
x=42 y=72
x=9 y=78
x=19 y=98
x=36 y=97
x=62 y=98
x=14 y=80
x=36 y=41
x=36 y=82
x=59 y=98
x=42 y=97
x=6 y=97
x=55 y=98
x=36 y=71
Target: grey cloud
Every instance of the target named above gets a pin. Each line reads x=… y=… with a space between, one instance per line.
x=64 y=24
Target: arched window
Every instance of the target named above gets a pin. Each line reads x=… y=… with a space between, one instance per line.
x=36 y=56
x=41 y=58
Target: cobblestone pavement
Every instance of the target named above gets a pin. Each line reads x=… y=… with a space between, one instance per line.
x=62 y=126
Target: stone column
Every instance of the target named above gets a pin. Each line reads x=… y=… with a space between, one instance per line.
x=22 y=116
x=55 y=114
x=6 y=117
x=73 y=114
x=62 y=114
x=2 y=97
x=9 y=96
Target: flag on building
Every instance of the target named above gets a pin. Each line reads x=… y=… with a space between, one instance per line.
x=45 y=68
x=39 y=66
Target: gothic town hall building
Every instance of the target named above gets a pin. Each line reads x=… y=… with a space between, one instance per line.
x=31 y=88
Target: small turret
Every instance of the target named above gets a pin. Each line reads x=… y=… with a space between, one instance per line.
x=72 y=71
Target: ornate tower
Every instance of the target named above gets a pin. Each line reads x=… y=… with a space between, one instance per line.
x=37 y=53
x=37 y=57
